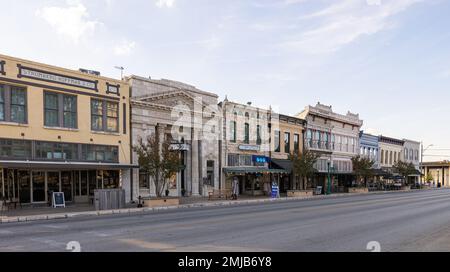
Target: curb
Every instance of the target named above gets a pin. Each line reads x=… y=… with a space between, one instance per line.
x=41 y=217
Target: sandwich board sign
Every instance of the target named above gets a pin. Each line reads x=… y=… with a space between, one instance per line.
x=58 y=200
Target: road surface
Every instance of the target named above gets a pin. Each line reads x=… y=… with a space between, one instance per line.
x=411 y=221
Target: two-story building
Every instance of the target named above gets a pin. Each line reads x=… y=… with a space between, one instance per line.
x=390 y=153
x=61 y=130
x=287 y=139
x=336 y=138
x=245 y=148
x=410 y=154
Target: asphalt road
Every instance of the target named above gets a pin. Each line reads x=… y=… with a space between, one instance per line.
x=413 y=221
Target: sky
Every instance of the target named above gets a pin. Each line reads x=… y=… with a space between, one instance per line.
x=387 y=60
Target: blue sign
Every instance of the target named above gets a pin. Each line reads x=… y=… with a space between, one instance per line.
x=274 y=190
x=260 y=159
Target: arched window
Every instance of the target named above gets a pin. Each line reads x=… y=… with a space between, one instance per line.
x=406 y=153
x=411 y=154
x=247 y=115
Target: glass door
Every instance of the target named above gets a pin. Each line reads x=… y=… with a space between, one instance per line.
x=66 y=185
x=52 y=184
x=24 y=184
x=38 y=185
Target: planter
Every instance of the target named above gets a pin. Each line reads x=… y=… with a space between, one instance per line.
x=299 y=193
x=358 y=190
x=161 y=202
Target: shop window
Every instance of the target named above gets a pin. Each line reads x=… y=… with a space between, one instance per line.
x=15 y=149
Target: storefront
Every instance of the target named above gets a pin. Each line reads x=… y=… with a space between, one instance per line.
x=34 y=182
x=253 y=181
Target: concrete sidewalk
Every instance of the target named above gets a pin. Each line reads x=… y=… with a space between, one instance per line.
x=48 y=213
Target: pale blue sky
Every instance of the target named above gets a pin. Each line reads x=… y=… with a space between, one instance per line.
x=388 y=60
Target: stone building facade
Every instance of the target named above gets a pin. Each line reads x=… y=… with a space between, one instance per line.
x=189 y=118
x=246 y=147
x=336 y=138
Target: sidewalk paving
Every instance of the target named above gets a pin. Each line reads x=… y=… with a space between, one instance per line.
x=49 y=213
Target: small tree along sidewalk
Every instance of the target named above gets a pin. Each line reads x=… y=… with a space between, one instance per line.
x=158 y=160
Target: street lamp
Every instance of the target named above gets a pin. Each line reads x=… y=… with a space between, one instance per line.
x=329 y=178
x=421 y=156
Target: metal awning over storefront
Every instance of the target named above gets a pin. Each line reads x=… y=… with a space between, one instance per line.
x=283 y=164
x=64 y=165
x=252 y=170
x=380 y=172
x=417 y=173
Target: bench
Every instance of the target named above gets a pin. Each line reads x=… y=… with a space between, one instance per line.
x=217 y=194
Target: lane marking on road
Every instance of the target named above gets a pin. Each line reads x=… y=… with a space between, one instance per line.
x=96 y=233
x=5 y=232
x=149 y=245
x=49 y=242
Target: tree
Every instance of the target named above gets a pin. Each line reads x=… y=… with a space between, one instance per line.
x=303 y=166
x=429 y=177
x=404 y=169
x=158 y=160
x=362 y=168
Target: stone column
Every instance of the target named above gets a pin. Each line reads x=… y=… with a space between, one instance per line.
x=194 y=164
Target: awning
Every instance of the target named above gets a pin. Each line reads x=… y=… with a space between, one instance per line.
x=283 y=164
x=380 y=172
x=64 y=165
x=417 y=173
x=252 y=170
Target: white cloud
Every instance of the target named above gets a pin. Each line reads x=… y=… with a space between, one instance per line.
x=345 y=22
x=71 y=21
x=165 y=3
x=124 y=48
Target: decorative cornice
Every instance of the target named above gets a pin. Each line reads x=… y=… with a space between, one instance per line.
x=2 y=67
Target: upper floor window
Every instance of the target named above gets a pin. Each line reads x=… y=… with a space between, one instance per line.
x=233 y=131
x=2 y=103
x=287 y=142
x=13 y=104
x=416 y=155
x=296 y=142
x=258 y=134
x=246 y=133
x=277 y=141
x=60 y=110
x=411 y=154
x=104 y=115
x=406 y=153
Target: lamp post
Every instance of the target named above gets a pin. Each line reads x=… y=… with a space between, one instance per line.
x=421 y=157
x=329 y=178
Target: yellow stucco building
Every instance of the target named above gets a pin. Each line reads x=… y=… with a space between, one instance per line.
x=61 y=130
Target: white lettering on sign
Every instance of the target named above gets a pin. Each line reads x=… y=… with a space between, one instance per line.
x=57 y=78
x=249 y=147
